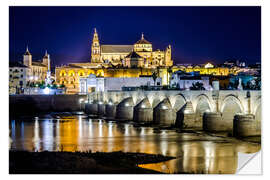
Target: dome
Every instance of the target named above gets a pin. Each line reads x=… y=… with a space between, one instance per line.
x=142 y=41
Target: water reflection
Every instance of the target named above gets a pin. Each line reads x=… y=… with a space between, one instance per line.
x=195 y=153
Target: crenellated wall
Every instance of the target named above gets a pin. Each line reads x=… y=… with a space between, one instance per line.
x=186 y=109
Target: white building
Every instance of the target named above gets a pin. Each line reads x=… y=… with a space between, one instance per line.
x=187 y=82
x=18 y=77
x=184 y=80
x=93 y=83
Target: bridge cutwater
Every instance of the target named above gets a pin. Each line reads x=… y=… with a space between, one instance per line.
x=238 y=112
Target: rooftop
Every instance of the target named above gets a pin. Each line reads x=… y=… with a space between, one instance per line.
x=133 y=54
x=17 y=64
x=37 y=63
x=142 y=41
x=116 y=48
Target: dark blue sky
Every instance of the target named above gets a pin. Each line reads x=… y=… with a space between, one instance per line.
x=197 y=34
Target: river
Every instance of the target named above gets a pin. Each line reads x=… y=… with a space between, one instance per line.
x=195 y=152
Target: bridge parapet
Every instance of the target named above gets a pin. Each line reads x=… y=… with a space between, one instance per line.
x=226 y=103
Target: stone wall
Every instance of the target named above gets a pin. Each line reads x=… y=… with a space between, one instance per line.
x=31 y=104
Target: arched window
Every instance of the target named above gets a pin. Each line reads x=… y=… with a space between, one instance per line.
x=62 y=73
x=81 y=73
x=71 y=73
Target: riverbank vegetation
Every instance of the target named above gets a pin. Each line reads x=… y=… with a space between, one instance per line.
x=24 y=162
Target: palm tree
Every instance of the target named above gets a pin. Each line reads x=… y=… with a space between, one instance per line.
x=154 y=76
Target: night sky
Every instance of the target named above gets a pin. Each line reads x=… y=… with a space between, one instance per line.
x=197 y=34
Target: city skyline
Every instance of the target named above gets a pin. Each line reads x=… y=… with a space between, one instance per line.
x=205 y=34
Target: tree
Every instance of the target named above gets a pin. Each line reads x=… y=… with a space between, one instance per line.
x=258 y=83
x=154 y=76
x=197 y=86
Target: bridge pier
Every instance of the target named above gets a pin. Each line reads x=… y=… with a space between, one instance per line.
x=110 y=110
x=124 y=110
x=164 y=115
x=143 y=114
x=101 y=109
x=91 y=108
x=186 y=117
x=143 y=111
x=245 y=125
x=212 y=122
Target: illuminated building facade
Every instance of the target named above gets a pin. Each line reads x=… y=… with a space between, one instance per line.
x=22 y=74
x=18 y=74
x=119 y=54
x=99 y=84
x=207 y=69
x=120 y=61
x=135 y=60
x=70 y=75
x=38 y=69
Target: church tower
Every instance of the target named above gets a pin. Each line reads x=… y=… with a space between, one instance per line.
x=168 y=56
x=27 y=58
x=95 y=49
x=47 y=61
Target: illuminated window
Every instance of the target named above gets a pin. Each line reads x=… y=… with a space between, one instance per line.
x=62 y=73
x=71 y=73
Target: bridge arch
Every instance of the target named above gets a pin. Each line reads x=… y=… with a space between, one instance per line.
x=258 y=114
x=257 y=104
x=230 y=106
x=126 y=102
x=178 y=101
x=145 y=103
x=156 y=100
x=202 y=104
x=231 y=99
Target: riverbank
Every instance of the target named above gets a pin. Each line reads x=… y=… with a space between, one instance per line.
x=24 y=162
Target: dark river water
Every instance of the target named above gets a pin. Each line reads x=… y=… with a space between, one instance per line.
x=195 y=152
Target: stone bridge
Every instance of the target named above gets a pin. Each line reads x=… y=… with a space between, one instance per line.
x=209 y=110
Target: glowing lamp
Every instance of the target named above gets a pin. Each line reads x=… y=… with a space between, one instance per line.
x=47 y=90
x=164 y=107
x=110 y=103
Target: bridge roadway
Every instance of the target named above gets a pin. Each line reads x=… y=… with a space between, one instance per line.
x=225 y=110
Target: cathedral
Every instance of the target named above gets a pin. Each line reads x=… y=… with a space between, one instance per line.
x=140 y=54
x=137 y=60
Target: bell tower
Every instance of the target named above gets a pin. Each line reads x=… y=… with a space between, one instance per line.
x=46 y=60
x=95 y=49
x=27 y=58
x=168 y=56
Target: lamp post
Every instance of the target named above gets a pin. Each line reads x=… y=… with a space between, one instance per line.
x=80 y=101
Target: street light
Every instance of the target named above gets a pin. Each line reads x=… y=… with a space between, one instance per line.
x=80 y=101
x=47 y=90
